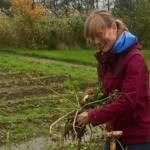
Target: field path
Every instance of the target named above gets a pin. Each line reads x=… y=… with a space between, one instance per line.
x=49 y=61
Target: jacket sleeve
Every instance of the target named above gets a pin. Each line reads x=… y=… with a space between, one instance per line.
x=131 y=89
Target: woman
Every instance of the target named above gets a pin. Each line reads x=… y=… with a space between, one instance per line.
x=121 y=67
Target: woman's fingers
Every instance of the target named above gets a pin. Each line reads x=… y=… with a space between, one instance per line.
x=82 y=118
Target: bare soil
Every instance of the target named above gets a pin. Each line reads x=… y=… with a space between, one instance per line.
x=24 y=93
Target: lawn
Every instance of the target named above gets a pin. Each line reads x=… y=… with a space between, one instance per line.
x=82 y=74
x=81 y=56
x=74 y=56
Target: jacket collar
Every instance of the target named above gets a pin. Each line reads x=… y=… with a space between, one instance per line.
x=110 y=57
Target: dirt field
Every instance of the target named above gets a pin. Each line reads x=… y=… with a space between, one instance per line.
x=25 y=104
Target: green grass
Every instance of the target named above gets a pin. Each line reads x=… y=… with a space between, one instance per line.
x=82 y=74
x=24 y=121
x=147 y=57
x=85 y=57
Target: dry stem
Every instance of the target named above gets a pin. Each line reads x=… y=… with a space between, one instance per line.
x=74 y=122
x=59 y=119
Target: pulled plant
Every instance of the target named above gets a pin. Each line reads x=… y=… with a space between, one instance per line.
x=93 y=98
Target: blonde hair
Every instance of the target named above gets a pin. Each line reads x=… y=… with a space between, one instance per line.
x=98 y=21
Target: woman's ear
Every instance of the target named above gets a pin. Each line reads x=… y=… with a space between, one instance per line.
x=114 y=29
x=114 y=26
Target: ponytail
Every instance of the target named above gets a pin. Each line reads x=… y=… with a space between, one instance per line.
x=120 y=26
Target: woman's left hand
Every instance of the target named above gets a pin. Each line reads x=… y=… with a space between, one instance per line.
x=83 y=119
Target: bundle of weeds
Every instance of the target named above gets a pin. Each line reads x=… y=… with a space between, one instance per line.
x=72 y=129
x=92 y=98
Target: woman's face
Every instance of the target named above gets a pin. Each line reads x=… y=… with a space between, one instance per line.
x=106 y=40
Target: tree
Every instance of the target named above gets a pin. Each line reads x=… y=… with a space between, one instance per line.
x=82 y=6
x=5 y=7
x=25 y=8
x=4 y=4
x=135 y=14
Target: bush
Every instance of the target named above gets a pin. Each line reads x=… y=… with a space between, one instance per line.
x=66 y=31
x=76 y=25
x=38 y=28
x=6 y=34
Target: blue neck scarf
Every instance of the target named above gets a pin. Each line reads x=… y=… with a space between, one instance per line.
x=125 y=41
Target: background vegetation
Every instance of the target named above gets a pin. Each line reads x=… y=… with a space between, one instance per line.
x=59 y=25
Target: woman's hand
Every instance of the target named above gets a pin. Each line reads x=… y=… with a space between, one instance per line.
x=83 y=119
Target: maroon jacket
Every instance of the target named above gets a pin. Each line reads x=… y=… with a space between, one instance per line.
x=128 y=73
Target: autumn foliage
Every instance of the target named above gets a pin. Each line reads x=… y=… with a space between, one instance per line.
x=25 y=8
